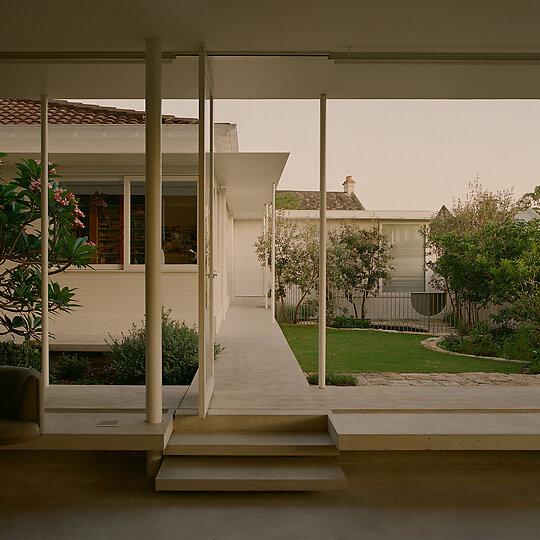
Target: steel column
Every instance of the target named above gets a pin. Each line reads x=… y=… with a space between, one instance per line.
x=153 y=250
x=322 y=246
x=44 y=247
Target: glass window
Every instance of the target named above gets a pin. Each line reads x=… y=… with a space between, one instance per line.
x=179 y=222
x=102 y=203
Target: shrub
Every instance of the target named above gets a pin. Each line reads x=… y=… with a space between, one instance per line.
x=27 y=354
x=71 y=367
x=180 y=353
x=522 y=343
x=349 y=322
x=334 y=379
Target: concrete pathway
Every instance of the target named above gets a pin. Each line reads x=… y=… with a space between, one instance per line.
x=258 y=371
x=257 y=368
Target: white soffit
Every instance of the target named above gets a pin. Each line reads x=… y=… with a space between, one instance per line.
x=248 y=179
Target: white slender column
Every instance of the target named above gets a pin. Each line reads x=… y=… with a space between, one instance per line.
x=322 y=246
x=273 y=255
x=44 y=247
x=265 y=269
x=153 y=233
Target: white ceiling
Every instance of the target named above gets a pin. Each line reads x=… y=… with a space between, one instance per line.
x=461 y=26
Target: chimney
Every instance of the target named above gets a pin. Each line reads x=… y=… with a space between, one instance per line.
x=348 y=186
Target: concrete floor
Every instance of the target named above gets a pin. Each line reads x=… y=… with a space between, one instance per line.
x=106 y=496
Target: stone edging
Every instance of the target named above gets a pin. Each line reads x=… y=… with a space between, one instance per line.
x=432 y=344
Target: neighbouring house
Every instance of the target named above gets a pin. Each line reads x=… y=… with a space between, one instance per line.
x=403 y=227
x=528 y=215
x=100 y=157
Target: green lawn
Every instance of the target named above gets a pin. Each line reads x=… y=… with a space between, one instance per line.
x=372 y=351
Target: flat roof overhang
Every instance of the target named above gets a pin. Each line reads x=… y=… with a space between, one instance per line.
x=488 y=49
x=277 y=77
x=248 y=177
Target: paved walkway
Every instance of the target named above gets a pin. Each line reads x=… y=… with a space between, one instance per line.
x=258 y=371
x=446 y=379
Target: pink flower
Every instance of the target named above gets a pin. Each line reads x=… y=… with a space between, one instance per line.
x=35 y=185
x=78 y=212
x=78 y=223
x=91 y=244
x=29 y=232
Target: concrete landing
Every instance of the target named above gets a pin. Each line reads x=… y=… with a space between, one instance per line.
x=89 y=431
x=435 y=431
x=106 y=398
x=250 y=474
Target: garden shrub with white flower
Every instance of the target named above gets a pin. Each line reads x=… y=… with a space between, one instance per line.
x=20 y=248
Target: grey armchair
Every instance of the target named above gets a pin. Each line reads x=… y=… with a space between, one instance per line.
x=20 y=404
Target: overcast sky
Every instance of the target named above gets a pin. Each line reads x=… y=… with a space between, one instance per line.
x=410 y=155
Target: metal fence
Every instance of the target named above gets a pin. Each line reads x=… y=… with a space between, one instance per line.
x=401 y=311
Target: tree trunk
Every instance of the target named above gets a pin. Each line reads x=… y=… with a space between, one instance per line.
x=364 y=296
x=351 y=300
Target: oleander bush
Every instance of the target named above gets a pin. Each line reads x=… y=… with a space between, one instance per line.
x=180 y=353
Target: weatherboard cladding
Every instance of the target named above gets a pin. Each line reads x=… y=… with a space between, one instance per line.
x=16 y=112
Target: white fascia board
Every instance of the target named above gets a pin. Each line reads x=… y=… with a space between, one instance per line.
x=113 y=138
x=366 y=215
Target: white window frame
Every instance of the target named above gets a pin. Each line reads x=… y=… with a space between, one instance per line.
x=127 y=266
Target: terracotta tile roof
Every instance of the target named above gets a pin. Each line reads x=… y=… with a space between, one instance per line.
x=27 y=112
x=335 y=200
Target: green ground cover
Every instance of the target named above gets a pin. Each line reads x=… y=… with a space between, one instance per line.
x=354 y=351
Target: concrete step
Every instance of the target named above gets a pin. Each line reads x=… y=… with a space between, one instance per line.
x=250 y=474
x=435 y=431
x=257 y=443
x=259 y=420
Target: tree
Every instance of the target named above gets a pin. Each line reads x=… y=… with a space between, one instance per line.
x=20 y=248
x=479 y=207
x=530 y=200
x=450 y=238
x=359 y=260
x=297 y=259
x=497 y=264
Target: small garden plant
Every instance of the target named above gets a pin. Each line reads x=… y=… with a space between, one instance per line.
x=334 y=379
x=180 y=353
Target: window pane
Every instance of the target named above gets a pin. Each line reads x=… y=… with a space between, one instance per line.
x=179 y=222
x=103 y=206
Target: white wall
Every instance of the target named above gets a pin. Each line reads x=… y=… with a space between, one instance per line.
x=111 y=301
x=248 y=273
